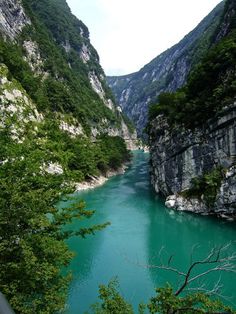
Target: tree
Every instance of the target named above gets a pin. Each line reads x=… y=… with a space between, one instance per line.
x=218 y=259
x=185 y=299
x=32 y=248
x=112 y=301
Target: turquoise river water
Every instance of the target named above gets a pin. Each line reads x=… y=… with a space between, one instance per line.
x=140 y=227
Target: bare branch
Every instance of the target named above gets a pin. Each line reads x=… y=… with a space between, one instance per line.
x=224 y=263
x=214 y=291
x=217 y=260
x=169 y=261
x=194 y=247
x=163 y=267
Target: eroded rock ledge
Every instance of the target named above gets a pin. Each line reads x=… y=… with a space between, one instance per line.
x=179 y=155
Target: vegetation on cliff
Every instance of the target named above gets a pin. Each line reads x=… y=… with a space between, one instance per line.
x=165 y=73
x=210 y=87
x=59 y=80
x=44 y=85
x=206 y=186
x=80 y=157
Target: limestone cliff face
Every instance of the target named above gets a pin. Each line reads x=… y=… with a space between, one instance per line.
x=167 y=72
x=179 y=155
x=16 y=108
x=227 y=22
x=12 y=18
x=57 y=48
x=194 y=166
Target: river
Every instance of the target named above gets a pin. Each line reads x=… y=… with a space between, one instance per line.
x=140 y=227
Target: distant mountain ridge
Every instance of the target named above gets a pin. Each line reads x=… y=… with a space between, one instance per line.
x=167 y=72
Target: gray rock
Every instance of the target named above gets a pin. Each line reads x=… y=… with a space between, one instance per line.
x=179 y=155
x=180 y=203
x=12 y=18
x=165 y=73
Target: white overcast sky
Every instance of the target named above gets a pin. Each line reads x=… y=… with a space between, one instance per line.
x=129 y=33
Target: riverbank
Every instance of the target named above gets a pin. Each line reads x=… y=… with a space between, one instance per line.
x=196 y=206
x=95 y=181
x=140 y=227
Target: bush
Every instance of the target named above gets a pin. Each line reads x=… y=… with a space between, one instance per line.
x=207 y=185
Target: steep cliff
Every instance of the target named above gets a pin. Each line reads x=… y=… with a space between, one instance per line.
x=193 y=132
x=167 y=72
x=59 y=126
x=180 y=155
x=42 y=157
x=48 y=51
x=53 y=92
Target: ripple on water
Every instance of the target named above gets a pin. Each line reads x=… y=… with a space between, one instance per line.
x=140 y=226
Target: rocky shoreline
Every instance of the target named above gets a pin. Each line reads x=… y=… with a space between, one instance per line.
x=95 y=181
x=196 y=206
x=178 y=156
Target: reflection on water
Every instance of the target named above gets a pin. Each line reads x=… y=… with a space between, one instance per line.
x=140 y=226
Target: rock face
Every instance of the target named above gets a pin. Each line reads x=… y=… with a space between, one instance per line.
x=167 y=72
x=16 y=106
x=178 y=156
x=60 y=53
x=196 y=168
x=12 y=18
x=227 y=21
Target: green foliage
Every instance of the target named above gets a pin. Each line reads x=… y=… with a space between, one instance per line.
x=60 y=82
x=58 y=96
x=170 y=104
x=114 y=151
x=210 y=86
x=11 y=55
x=58 y=19
x=80 y=157
x=112 y=301
x=206 y=185
x=165 y=302
x=32 y=248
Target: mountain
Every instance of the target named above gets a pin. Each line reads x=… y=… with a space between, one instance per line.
x=192 y=131
x=48 y=51
x=51 y=77
x=59 y=126
x=167 y=72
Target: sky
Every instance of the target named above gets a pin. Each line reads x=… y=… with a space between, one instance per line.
x=128 y=34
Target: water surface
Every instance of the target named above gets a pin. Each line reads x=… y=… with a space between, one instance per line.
x=140 y=227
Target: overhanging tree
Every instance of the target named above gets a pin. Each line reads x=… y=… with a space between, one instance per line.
x=32 y=247
x=185 y=299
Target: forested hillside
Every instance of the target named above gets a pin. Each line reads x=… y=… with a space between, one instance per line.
x=166 y=73
x=59 y=126
x=198 y=123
